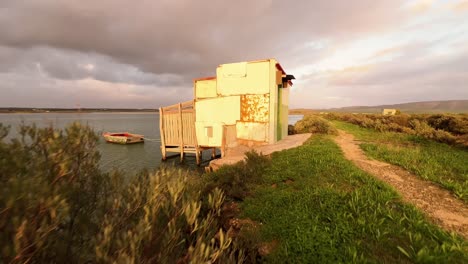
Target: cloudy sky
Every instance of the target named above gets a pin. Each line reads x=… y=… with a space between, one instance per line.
x=144 y=54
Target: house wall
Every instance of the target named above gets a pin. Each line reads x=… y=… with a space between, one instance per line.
x=388 y=111
x=273 y=87
x=211 y=117
x=205 y=89
x=219 y=109
x=243 y=78
x=244 y=99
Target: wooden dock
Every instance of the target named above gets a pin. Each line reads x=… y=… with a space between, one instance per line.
x=177 y=128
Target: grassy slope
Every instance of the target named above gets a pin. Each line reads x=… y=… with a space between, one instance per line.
x=333 y=212
x=437 y=162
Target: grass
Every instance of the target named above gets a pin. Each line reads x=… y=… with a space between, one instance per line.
x=320 y=208
x=437 y=162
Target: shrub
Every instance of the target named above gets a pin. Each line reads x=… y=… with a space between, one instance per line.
x=159 y=218
x=315 y=124
x=235 y=179
x=450 y=129
x=56 y=206
x=457 y=125
x=423 y=129
x=401 y=120
x=50 y=194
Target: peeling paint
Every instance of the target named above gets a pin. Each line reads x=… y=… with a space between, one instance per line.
x=255 y=108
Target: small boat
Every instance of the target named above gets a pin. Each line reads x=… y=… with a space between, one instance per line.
x=123 y=138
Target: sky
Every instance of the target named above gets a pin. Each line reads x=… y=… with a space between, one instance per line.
x=145 y=54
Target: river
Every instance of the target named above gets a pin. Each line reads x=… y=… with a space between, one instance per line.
x=128 y=158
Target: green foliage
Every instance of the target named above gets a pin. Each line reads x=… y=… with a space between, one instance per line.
x=57 y=207
x=50 y=184
x=314 y=124
x=159 y=218
x=441 y=163
x=323 y=209
x=236 y=179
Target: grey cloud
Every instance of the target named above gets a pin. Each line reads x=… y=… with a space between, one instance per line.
x=187 y=37
x=159 y=46
x=74 y=65
x=38 y=90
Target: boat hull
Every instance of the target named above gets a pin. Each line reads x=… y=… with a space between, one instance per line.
x=123 y=138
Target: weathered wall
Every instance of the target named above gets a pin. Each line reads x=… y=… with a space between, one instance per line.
x=243 y=78
x=220 y=109
x=212 y=115
x=209 y=134
x=252 y=131
x=205 y=89
x=255 y=108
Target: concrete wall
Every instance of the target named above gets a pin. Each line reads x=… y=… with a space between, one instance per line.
x=220 y=109
x=243 y=78
x=211 y=117
x=209 y=134
x=205 y=89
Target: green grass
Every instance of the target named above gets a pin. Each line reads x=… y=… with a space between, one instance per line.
x=323 y=209
x=437 y=162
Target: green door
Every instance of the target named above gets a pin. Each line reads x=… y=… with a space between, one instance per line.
x=278 y=117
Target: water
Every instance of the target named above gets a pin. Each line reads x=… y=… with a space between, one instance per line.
x=128 y=158
x=292 y=119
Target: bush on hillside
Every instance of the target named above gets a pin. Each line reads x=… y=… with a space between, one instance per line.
x=457 y=125
x=450 y=129
x=159 y=218
x=56 y=206
x=234 y=180
x=50 y=194
x=315 y=124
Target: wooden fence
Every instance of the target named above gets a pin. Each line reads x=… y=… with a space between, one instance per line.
x=177 y=128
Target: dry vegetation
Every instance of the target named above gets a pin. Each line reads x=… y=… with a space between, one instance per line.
x=446 y=128
x=314 y=124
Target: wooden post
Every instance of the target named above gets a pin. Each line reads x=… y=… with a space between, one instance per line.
x=198 y=155
x=213 y=153
x=224 y=143
x=161 y=132
x=198 y=150
x=181 y=128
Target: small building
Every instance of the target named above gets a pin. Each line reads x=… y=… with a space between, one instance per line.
x=246 y=103
x=387 y=111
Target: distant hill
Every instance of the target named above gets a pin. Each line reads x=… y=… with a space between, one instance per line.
x=452 y=106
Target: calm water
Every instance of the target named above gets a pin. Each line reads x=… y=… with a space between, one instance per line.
x=129 y=158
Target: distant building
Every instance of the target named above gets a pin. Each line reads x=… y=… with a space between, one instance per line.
x=387 y=111
x=245 y=103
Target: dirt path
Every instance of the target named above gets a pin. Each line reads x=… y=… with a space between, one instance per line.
x=439 y=204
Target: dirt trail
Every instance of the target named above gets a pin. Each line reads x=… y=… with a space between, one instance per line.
x=439 y=204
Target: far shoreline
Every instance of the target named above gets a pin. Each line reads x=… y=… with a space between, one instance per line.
x=72 y=111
